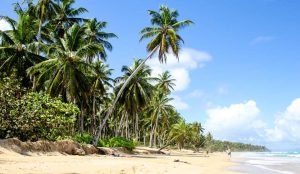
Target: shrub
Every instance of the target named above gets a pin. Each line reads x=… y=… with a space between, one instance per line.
x=117 y=142
x=121 y=142
x=85 y=138
x=102 y=143
x=33 y=116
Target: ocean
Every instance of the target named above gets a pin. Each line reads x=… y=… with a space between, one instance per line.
x=267 y=162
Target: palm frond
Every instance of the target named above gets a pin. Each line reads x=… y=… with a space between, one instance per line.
x=182 y=24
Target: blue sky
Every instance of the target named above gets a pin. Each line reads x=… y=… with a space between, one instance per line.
x=240 y=62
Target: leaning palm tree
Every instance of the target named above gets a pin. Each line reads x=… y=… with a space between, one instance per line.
x=18 y=45
x=164 y=34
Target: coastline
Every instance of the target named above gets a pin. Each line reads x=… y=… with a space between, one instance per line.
x=266 y=163
x=189 y=162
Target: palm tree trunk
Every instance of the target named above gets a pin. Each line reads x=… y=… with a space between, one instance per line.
x=99 y=117
x=119 y=94
x=136 y=126
x=155 y=130
x=94 y=116
x=168 y=144
x=151 y=135
x=154 y=139
x=81 y=120
x=126 y=129
x=39 y=36
x=120 y=125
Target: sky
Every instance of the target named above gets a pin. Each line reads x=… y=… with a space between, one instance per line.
x=239 y=67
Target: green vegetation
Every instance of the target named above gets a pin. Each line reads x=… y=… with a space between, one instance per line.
x=32 y=115
x=120 y=142
x=86 y=138
x=221 y=146
x=55 y=81
x=83 y=138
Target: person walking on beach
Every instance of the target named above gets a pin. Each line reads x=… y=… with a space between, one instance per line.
x=229 y=152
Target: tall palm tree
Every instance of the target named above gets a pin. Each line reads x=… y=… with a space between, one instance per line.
x=197 y=127
x=165 y=125
x=164 y=34
x=209 y=137
x=18 y=45
x=45 y=9
x=180 y=133
x=95 y=33
x=165 y=83
x=195 y=139
x=65 y=16
x=208 y=141
x=137 y=92
x=65 y=72
x=158 y=108
x=101 y=80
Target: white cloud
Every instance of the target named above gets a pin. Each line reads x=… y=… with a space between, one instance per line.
x=189 y=59
x=242 y=122
x=182 y=78
x=287 y=124
x=261 y=39
x=178 y=103
x=4 y=25
x=235 y=122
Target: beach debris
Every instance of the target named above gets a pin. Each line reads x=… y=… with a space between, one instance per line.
x=179 y=161
x=115 y=155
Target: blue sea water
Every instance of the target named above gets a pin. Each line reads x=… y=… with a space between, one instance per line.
x=267 y=162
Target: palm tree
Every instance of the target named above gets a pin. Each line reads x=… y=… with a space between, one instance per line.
x=45 y=9
x=65 y=73
x=180 y=133
x=100 y=82
x=95 y=33
x=206 y=141
x=65 y=17
x=165 y=125
x=164 y=34
x=196 y=138
x=158 y=108
x=18 y=45
x=165 y=83
x=197 y=128
x=137 y=92
x=209 y=138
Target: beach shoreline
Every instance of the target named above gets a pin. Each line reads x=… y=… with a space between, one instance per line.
x=174 y=162
x=266 y=162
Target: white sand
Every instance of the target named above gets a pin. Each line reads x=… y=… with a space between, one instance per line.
x=190 y=163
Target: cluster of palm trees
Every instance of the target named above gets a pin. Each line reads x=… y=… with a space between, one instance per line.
x=56 y=51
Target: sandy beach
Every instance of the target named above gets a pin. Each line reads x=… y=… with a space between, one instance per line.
x=55 y=163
